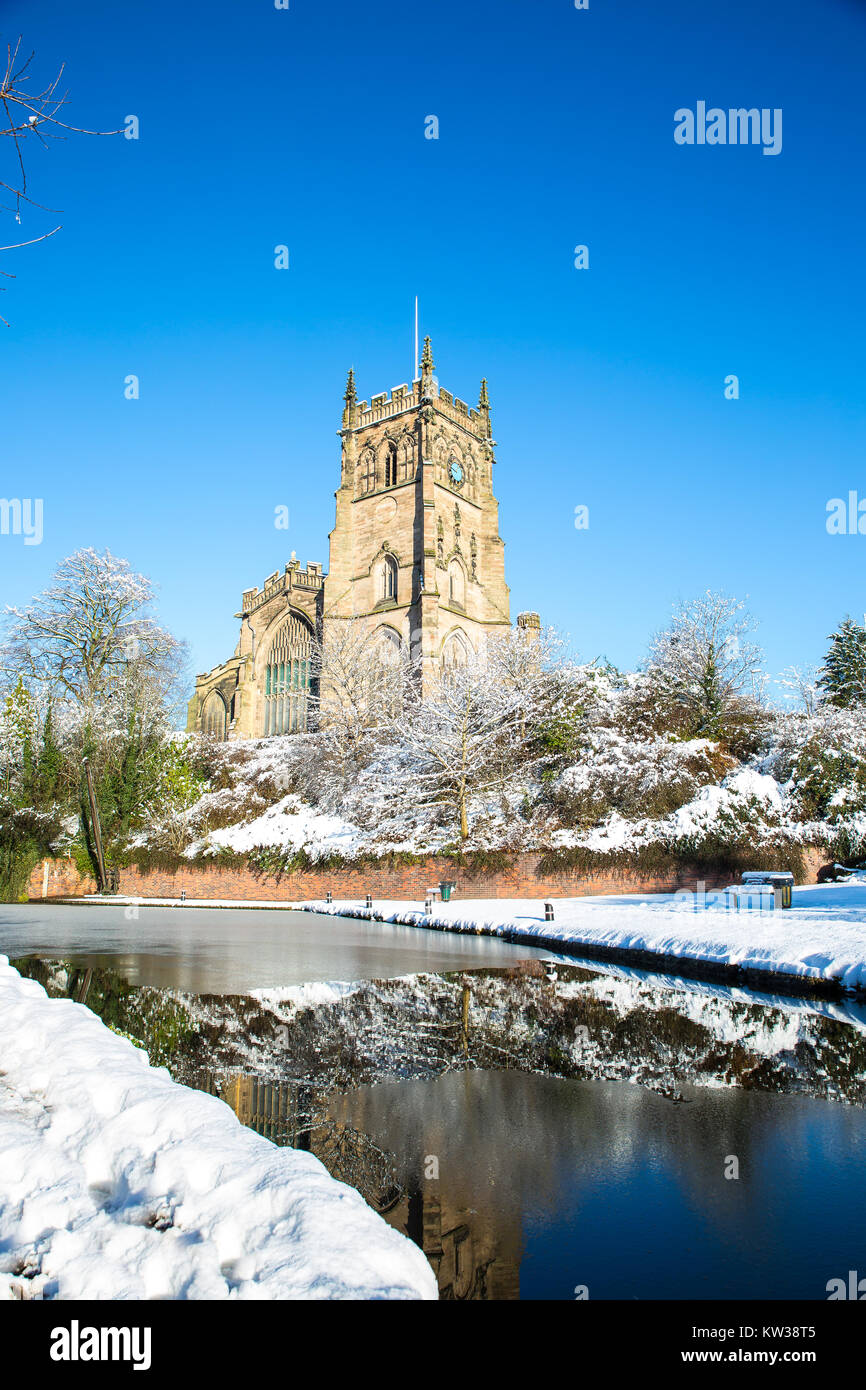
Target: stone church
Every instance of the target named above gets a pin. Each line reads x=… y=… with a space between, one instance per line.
x=415 y=554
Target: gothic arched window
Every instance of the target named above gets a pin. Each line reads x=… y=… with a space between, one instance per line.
x=384 y=680
x=214 y=716
x=388 y=579
x=407 y=457
x=456 y=652
x=368 y=471
x=287 y=678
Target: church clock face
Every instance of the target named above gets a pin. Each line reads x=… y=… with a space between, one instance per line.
x=455 y=473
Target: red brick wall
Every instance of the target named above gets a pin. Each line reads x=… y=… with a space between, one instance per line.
x=519 y=880
x=63 y=880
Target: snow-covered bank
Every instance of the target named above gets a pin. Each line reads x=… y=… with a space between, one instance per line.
x=821 y=938
x=120 y=1184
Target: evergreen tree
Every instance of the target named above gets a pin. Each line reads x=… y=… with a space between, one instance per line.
x=843 y=675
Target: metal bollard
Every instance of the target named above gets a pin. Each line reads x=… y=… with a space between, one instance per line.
x=548 y=912
x=183 y=895
x=369 y=900
x=428 y=906
x=329 y=897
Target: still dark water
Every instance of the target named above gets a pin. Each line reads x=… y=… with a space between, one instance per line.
x=546 y=1184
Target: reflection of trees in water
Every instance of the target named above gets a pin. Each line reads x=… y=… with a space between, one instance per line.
x=354 y=1158
x=573 y=1025
x=569 y=1022
x=293 y=1116
x=451 y=1053
x=507 y=1143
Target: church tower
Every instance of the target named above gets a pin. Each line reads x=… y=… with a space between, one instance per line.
x=416 y=550
x=416 y=555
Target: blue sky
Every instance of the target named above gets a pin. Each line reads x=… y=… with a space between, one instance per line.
x=306 y=127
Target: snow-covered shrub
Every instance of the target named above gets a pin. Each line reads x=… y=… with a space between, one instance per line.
x=821 y=761
x=635 y=777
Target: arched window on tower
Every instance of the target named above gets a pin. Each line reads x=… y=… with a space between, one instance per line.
x=368 y=471
x=214 y=714
x=407 y=457
x=390 y=464
x=385 y=679
x=287 y=679
x=388 y=579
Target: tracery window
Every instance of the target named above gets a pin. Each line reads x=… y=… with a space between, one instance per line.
x=407 y=458
x=368 y=472
x=287 y=679
x=455 y=653
x=385 y=685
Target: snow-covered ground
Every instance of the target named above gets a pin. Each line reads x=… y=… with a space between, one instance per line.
x=822 y=937
x=117 y=1183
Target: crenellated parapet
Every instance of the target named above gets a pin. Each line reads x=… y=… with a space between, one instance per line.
x=389 y=404
x=307 y=580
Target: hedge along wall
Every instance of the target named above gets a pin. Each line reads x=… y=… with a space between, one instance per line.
x=518 y=878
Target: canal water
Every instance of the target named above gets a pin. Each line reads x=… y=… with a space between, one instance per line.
x=235 y=950
x=558 y=1189
x=518 y=1183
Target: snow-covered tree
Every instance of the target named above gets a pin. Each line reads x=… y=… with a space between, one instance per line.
x=843 y=675
x=80 y=637
x=32 y=785
x=361 y=680
x=704 y=667
x=474 y=730
x=89 y=673
x=30 y=759
x=801 y=683
x=820 y=760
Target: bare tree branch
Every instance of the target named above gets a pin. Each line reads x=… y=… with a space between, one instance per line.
x=30 y=115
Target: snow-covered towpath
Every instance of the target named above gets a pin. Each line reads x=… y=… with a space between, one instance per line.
x=117 y=1183
x=822 y=937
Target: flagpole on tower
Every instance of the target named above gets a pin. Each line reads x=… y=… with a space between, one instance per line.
x=415 y=377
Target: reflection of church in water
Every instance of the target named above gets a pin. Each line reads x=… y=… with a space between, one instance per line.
x=415 y=554
x=473 y=1257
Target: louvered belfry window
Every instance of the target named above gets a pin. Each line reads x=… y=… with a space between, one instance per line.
x=391 y=465
x=287 y=679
